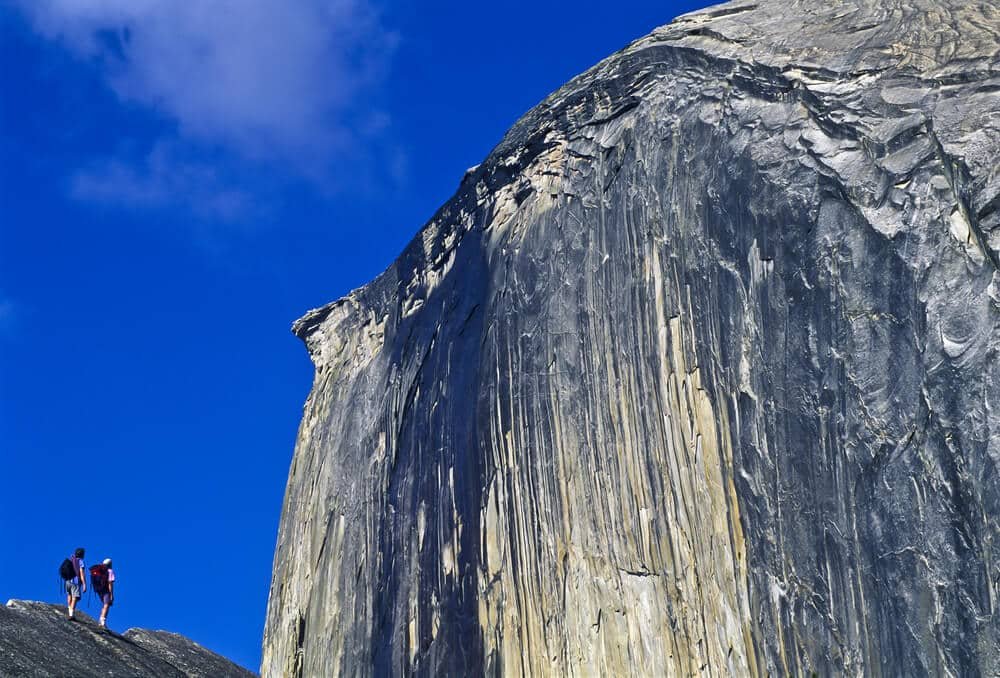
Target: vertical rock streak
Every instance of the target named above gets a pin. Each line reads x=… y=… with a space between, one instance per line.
x=693 y=376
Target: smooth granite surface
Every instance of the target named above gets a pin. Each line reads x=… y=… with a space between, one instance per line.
x=38 y=641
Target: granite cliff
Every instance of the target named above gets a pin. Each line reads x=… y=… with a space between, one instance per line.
x=37 y=641
x=696 y=374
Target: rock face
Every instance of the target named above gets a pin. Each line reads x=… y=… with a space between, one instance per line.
x=37 y=640
x=696 y=374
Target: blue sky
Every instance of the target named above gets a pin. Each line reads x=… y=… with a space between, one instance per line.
x=179 y=181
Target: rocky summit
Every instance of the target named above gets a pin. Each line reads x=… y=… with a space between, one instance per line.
x=38 y=641
x=696 y=374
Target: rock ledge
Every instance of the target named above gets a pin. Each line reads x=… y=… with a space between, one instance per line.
x=37 y=640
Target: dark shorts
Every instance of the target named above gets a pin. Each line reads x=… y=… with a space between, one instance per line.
x=107 y=599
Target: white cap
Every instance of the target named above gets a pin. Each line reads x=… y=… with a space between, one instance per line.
x=107 y=561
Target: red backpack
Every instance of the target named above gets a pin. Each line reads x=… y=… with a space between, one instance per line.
x=99 y=578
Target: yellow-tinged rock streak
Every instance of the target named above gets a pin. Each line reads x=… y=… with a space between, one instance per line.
x=657 y=585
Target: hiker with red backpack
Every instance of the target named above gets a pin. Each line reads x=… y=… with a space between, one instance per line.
x=102 y=580
x=71 y=570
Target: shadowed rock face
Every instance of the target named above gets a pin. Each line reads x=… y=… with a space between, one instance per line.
x=695 y=375
x=37 y=640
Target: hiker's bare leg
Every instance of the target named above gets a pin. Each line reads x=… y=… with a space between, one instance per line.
x=71 y=602
x=104 y=614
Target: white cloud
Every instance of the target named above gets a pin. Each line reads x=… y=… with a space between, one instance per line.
x=273 y=82
x=159 y=179
x=7 y=311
